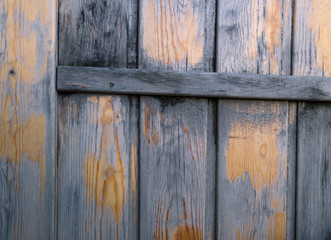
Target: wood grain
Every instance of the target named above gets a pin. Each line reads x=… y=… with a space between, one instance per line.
x=314 y=172
x=255 y=36
x=177 y=141
x=99 y=198
x=311 y=57
x=27 y=119
x=98 y=33
x=177 y=35
x=256 y=160
x=189 y=83
x=97 y=180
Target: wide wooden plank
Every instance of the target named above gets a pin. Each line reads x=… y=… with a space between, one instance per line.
x=177 y=141
x=254 y=138
x=101 y=154
x=27 y=118
x=97 y=172
x=190 y=83
x=256 y=156
x=98 y=33
x=311 y=57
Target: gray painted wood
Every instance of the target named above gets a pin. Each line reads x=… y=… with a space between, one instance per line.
x=314 y=172
x=98 y=33
x=256 y=150
x=97 y=171
x=105 y=204
x=196 y=84
x=311 y=43
x=27 y=119
x=177 y=142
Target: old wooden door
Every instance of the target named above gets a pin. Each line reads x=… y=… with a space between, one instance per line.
x=137 y=152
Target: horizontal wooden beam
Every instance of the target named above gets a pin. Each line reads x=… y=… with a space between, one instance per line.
x=195 y=84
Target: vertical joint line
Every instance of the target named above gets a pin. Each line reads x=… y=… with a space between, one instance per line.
x=292 y=38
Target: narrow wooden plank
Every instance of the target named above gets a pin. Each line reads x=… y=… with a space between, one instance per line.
x=197 y=84
x=27 y=118
x=97 y=178
x=311 y=46
x=98 y=33
x=314 y=172
x=100 y=154
x=177 y=142
x=256 y=138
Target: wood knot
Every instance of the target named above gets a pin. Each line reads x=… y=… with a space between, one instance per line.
x=12 y=72
x=263 y=150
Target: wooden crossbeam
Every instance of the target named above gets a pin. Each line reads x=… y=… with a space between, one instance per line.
x=193 y=84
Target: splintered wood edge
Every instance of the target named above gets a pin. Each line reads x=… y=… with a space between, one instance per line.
x=192 y=84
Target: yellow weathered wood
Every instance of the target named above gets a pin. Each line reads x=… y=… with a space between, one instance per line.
x=256 y=164
x=27 y=118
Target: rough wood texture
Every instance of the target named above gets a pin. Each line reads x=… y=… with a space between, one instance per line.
x=177 y=35
x=97 y=172
x=98 y=199
x=254 y=36
x=255 y=155
x=314 y=172
x=27 y=118
x=254 y=138
x=98 y=33
x=196 y=84
x=177 y=139
x=312 y=33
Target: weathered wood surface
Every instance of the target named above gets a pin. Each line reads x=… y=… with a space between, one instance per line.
x=312 y=33
x=27 y=118
x=177 y=142
x=254 y=141
x=314 y=172
x=197 y=84
x=97 y=173
x=256 y=160
x=98 y=33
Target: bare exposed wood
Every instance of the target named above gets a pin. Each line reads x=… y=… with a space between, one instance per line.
x=197 y=84
x=311 y=46
x=27 y=118
x=98 y=199
x=256 y=138
x=97 y=172
x=177 y=140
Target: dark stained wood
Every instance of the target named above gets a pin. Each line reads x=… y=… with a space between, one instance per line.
x=256 y=138
x=98 y=164
x=27 y=119
x=177 y=142
x=314 y=172
x=196 y=84
x=98 y=33
x=97 y=172
x=311 y=46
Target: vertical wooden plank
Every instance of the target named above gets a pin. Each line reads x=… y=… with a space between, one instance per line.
x=27 y=118
x=256 y=154
x=97 y=167
x=97 y=173
x=314 y=174
x=311 y=57
x=177 y=142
